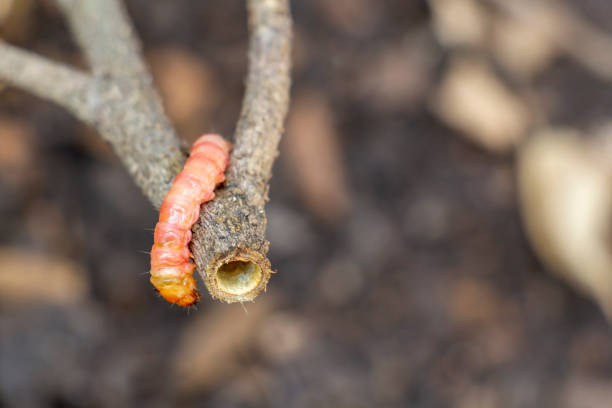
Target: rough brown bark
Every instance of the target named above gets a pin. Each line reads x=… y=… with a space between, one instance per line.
x=126 y=109
x=119 y=100
x=232 y=226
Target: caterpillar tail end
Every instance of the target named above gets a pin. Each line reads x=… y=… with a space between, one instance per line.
x=180 y=292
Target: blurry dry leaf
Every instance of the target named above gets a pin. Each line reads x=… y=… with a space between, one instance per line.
x=566 y=203
x=208 y=349
x=525 y=49
x=15 y=19
x=5 y=9
x=562 y=25
x=314 y=156
x=473 y=100
x=15 y=144
x=16 y=150
x=187 y=86
x=459 y=22
x=31 y=277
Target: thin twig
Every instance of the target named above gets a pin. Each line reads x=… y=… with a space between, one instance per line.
x=119 y=100
x=46 y=79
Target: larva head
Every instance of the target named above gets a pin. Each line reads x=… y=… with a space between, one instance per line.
x=182 y=292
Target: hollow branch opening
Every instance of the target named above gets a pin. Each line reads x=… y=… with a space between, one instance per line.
x=238 y=277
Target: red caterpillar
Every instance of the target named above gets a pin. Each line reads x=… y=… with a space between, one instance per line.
x=171 y=265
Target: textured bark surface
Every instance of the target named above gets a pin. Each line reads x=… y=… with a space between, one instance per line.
x=123 y=103
x=233 y=225
x=119 y=100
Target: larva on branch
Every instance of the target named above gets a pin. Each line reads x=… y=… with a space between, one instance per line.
x=171 y=264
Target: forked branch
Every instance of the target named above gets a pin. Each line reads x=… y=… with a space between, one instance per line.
x=119 y=100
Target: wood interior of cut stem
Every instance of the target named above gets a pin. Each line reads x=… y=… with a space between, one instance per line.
x=239 y=276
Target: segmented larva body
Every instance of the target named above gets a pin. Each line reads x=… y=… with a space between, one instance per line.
x=171 y=264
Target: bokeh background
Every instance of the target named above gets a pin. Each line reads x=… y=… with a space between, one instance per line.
x=405 y=274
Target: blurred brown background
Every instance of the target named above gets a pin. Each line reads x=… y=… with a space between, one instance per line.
x=419 y=132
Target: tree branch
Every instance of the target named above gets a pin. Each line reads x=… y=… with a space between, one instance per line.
x=119 y=100
x=106 y=36
x=128 y=111
x=229 y=245
x=47 y=79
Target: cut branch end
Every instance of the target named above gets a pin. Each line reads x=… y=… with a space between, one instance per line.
x=238 y=276
x=119 y=100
